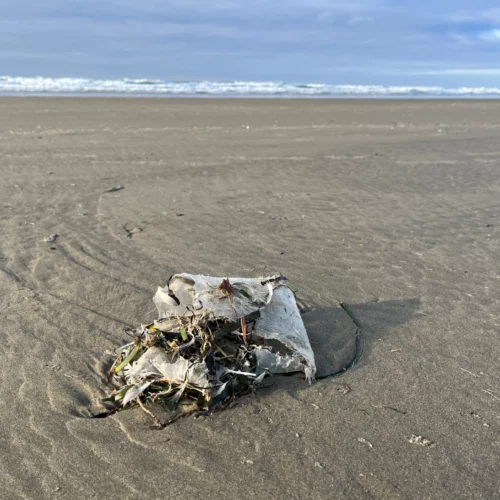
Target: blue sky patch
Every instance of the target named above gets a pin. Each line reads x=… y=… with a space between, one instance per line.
x=337 y=42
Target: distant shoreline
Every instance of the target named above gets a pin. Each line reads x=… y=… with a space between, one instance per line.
x=119 y=95
x=40 y=86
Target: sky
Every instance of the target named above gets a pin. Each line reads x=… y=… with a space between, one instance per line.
x=405 y=42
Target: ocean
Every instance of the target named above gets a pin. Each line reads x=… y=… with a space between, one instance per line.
x=12 y=85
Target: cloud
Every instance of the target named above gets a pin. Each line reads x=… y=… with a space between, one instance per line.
x=461 y=72
x=490 y=15
x=490 y=35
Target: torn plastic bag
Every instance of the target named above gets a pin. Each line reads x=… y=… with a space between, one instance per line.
x=215 y=339
x=197 y=295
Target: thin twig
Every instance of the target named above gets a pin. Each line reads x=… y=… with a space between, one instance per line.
x=244 y=330
x=182 y=415
x=490 y=392
x=156 y=420
x=467 y=371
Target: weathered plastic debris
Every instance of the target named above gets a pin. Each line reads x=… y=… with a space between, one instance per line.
x=215 y=339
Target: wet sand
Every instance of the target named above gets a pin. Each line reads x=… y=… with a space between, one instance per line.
x=391 y=207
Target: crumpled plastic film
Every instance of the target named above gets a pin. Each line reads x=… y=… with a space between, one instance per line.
x=215 y=339
x=280 y=320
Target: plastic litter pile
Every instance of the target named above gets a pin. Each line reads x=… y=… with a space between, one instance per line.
x=215 y=338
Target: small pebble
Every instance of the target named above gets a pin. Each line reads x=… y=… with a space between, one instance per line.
x=52 y=237
x=364 y=441
x=420 y=440
x=134 y=230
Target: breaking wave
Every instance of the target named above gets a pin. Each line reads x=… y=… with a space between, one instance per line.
x=142 y=87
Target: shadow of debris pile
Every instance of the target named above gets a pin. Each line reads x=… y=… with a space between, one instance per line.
x=333 y=330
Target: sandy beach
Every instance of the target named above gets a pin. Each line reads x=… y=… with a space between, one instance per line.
x=388 y=206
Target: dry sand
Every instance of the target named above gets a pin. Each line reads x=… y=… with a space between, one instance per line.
x=389 y=206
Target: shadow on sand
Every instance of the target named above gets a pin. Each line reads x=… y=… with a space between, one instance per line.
x=332 y=330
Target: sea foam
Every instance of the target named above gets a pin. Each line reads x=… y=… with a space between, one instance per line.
x=126 y=86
